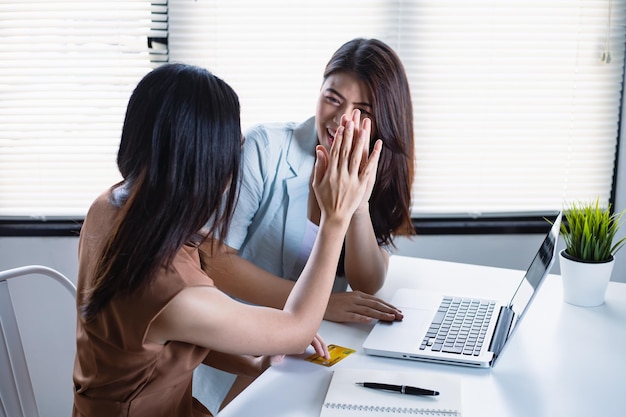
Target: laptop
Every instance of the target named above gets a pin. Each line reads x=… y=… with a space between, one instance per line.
x=458 y=330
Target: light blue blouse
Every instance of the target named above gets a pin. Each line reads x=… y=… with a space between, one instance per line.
x=270 y=219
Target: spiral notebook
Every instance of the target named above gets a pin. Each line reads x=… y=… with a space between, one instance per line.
x=345 y=398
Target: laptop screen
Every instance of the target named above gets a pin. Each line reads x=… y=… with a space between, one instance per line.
x=537 y=271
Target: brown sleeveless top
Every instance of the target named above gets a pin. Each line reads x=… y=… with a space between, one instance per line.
x=116 y=373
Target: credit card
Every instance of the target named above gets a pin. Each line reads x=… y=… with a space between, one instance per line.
x=337 y=353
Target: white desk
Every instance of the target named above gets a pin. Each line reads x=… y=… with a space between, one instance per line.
x=580 y=369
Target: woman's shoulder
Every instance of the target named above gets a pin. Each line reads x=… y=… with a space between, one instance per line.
x=100 y=213
x=186 y=266
x=278 y=133
x=271 y=147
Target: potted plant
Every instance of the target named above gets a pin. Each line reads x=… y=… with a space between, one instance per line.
x=587 y=261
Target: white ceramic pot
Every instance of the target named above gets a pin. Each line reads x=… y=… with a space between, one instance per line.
x=585 y=283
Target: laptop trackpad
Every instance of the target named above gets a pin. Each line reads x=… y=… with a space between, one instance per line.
x=403 y=335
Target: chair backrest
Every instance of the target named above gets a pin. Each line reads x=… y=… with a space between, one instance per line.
x=17 y=398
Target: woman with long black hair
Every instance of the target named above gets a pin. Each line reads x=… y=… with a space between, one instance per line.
x=147 y=313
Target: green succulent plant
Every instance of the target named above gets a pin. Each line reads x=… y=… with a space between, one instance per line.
x=589 y=231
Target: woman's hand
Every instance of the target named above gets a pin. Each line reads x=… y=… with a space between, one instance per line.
x=359 y=307
x=321 y=349
x=360 y=130
x=344 y=175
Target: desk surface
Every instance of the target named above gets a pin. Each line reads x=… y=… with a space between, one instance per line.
x=563 y=360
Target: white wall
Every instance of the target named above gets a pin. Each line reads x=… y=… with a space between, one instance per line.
x=46 y=316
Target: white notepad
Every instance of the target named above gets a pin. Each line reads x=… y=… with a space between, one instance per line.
x=347 y=399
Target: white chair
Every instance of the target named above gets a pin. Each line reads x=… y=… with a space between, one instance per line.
x=17 y=397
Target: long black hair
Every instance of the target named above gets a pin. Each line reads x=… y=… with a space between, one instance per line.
x=179 y=156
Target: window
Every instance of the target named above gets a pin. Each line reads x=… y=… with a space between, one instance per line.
x=66 y=73
x=515 y=111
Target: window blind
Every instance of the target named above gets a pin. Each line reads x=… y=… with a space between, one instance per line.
x=515 y=111
x=67 y=69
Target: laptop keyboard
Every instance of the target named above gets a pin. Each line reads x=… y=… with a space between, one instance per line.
x=459 y=326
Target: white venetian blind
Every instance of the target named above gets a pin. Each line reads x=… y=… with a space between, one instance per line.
x=514 y=109
x=67 y=69
x=272 y=53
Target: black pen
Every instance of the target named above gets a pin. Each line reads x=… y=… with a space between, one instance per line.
x=402 y=389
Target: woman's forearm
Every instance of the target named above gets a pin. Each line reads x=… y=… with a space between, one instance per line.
x=242 y=279
x=365 y=262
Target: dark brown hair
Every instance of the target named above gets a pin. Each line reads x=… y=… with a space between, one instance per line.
x=381 y=70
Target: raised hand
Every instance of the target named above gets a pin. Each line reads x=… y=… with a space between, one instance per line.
x=344 y=175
